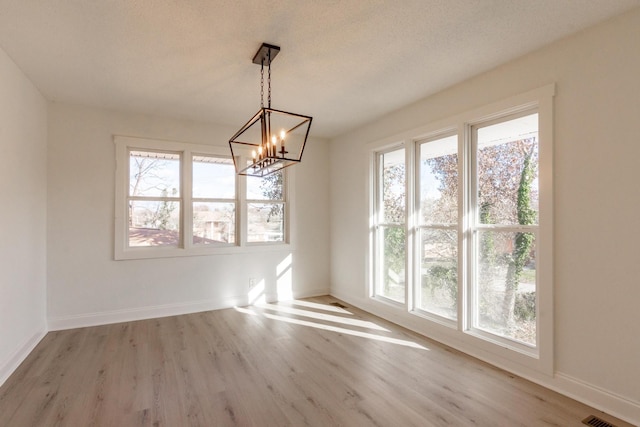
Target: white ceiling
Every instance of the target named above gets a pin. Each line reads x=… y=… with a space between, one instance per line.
x=344 y=62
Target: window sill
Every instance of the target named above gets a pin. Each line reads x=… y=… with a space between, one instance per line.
x=172 y=252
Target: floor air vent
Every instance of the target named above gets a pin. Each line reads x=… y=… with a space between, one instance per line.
x=596 y=422
x=337 y=304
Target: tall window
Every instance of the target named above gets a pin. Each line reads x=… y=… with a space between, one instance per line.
x=177 y=199
x=463 y=237
x=437 y=228
x=390 y=225
x=504 y=227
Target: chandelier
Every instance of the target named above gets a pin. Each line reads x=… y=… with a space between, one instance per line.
x=272 y=139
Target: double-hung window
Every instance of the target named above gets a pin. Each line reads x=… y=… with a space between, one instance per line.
x=214 y=204
x=266 y=208
x=504 y=200
x=463 y=237
x=390 y=225
x=437 y=234
x=179 y=199
x=154 y=198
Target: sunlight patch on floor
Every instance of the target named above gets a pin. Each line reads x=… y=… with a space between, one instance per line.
x=322 y=316
x=345 y=331
x=245 y=311
x=318 y=306
x=336 y=329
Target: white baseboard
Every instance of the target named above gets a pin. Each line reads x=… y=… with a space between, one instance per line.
x=141 y=313
x=311 y=293
x=7 y=367
x=603 y=400
x=598 y=398
x=151 y=312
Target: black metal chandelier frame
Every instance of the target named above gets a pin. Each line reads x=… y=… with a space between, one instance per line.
x=265 y=151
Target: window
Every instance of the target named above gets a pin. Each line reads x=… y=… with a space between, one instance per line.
x=463 y=237
x=504 y=227
x=437 y=228
x=390 y=225
x=214 y=200
x=154 y=199
x=265 y=208
x=177 y=199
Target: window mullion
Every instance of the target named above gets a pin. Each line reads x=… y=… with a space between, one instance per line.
x=409 y=222
x=416 y=270
x=379 y=229
x=186 y=232
x=466 y=183
x=241 y=206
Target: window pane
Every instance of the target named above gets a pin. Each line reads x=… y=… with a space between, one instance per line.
x=506 y=293
x=265 y=222
x=438 y=291
x=154 y=223
x=213 y=178
x=393 y=186
x=153 y=174
x=439 y=181
x=392 y=283
x=508 y=172
x=269 y=187
x=214 y=223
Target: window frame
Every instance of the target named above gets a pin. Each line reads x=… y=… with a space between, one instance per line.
x=458 y=333
x=187 y=151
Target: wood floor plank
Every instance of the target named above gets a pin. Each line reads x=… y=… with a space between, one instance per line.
x=298 y=363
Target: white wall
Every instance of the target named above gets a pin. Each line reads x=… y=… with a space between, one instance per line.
x=86 y=286
x=23 y=168
x=597 y=200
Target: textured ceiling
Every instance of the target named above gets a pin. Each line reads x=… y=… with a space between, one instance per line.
x=344 y=62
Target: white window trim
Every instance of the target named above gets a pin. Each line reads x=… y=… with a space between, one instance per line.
x=121 y=250
x=457 y=334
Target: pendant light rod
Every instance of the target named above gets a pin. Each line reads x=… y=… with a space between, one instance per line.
x=266 y=54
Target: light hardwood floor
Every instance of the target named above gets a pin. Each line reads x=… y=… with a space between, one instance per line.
x=297 y=363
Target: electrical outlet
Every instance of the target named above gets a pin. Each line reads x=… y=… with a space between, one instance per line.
x=252 y=283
